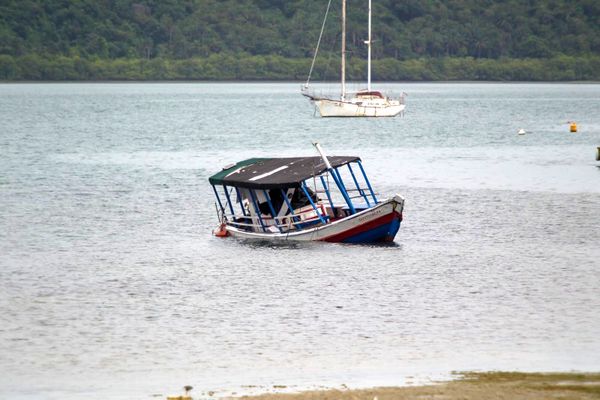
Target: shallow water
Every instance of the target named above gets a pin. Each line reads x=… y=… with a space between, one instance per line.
x=111 y=285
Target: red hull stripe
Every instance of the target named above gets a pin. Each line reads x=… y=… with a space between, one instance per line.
x=386 y=219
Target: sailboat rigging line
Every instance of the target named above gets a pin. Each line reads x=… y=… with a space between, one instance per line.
x=318 y=43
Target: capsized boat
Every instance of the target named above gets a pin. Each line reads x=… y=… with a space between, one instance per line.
x=303 y=199
x=364 y=103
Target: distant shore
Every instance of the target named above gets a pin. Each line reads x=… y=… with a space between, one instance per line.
x=244 y=67
x=295 y=82
x=471 y=386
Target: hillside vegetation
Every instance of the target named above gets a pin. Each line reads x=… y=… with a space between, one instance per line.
x=275 y=39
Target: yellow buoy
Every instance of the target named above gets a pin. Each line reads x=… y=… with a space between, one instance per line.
x=598 y=154
x=573 y=127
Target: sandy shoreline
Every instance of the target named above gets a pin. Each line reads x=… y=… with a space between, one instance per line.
x=471 y=386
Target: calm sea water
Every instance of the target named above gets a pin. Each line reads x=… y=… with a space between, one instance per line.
x=112 y=286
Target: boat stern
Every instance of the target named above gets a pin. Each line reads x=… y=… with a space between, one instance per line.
x=377 y=224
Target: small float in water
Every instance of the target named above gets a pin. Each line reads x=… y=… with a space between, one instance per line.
x=303 y=199
x=573 y=127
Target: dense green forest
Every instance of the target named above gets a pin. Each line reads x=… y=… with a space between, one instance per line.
x=275 y=39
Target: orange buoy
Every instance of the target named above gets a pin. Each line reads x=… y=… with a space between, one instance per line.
x=221 y=231
x=573 y=127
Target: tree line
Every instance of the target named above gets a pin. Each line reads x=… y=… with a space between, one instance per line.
x=230 y=67
x=275 y=39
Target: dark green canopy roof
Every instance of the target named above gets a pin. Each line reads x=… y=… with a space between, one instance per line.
x=270 y=173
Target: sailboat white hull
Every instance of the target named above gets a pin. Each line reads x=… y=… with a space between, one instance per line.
x=337 y=108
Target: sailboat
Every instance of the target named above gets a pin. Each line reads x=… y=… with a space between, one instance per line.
x=364 y=103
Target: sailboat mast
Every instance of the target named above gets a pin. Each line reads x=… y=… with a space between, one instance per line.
x=369 y=52
x=343 y=50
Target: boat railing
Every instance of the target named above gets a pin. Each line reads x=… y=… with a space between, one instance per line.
x=392 y=95
x=402 y=98
x=360 y=193
x=299 y=218
x=314 y=95
x=398 y=97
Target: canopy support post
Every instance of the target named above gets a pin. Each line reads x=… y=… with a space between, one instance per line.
x=237 y=191
x=257 y=210
x=340 y=183
x=312 y=203
x=218 y=199
x=327 y=191
x=336 y=177
x=272 y=210
x=367 y=180
x=229 y=202
x=360 y=191
x=287 y=201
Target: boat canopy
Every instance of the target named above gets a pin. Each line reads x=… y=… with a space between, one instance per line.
x=271 y=173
